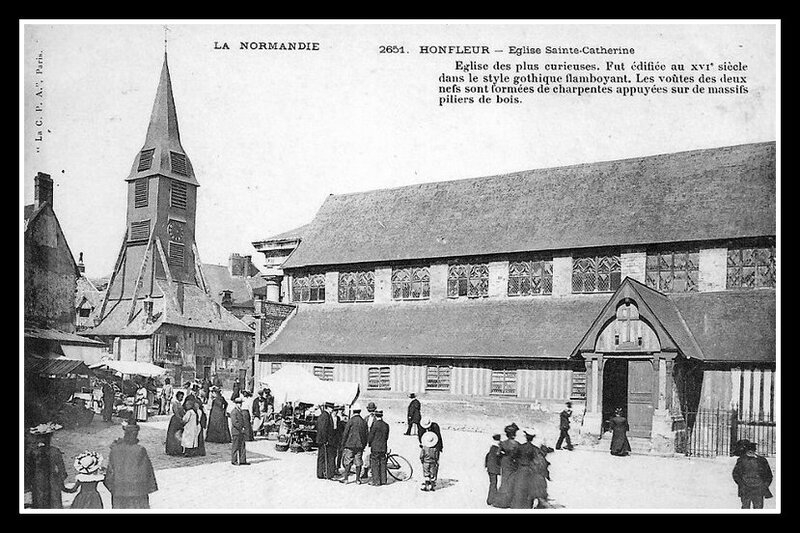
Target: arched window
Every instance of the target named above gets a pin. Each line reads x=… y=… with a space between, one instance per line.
x=471 y=280
x=308 y=288
x=357 y=286
x=527 y=278
x=411 y=283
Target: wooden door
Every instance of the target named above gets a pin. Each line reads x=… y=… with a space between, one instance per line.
x=641 y=386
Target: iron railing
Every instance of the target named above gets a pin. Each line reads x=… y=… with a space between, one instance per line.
x=714 y=432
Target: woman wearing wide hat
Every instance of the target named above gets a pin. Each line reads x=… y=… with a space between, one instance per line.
x=619 y=434
x=44 y=468
x=89 y=475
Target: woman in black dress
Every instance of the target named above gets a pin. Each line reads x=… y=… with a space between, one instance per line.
x=218 y=430
x=202 y=420
x=174 y=446
x=509 y=451
x=530 y=485
x=619 y=431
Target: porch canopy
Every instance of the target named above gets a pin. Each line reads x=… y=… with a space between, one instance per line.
x=292 y=384
x=137 y=368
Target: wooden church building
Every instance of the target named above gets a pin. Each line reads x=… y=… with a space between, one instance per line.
x=158 y=307
x=647 y=284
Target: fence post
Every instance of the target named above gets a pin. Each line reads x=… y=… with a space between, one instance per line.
x=734 y=429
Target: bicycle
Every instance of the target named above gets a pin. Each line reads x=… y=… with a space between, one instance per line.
x=398 y=467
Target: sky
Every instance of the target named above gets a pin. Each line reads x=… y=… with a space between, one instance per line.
x=272 y=133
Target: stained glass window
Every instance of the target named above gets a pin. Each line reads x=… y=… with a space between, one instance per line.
x=468 y=280
x=378 y=378
x=673 y=271
x=356 y=286
x=526 y=278
x=750 y=268
x=308 y=288
x=596 y=274
x=412 y=283
x=504 y=382
x=437 y=377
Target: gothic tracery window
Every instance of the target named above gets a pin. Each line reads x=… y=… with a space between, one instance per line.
x=357 y=286
x=526 y=278
x=468 y=280
x=308 y=288
x=411 y=283
x=750 y=268
x=673 y=271
x=596 y=274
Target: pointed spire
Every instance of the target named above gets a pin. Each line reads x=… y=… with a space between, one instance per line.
x=164 y=118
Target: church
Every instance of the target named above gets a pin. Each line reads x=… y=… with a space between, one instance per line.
x=158 y=307
x=647 y=284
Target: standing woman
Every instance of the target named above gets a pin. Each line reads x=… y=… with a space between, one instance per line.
x=202 y=422
x=191 y=430
x=619 y=431
x=175 y=424
x=247 y=408
x=140 y=403
x=218 y=430
x=509 y=451
x=530 y=486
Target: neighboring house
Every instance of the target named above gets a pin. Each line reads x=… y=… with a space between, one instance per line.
x=158 y=306
x=87 y=298
x=235 y=286
x=646 y=283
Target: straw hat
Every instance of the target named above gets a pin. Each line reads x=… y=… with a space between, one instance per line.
x=426 y=423
x=429 y=439
x=44 y=429
x=88 y=462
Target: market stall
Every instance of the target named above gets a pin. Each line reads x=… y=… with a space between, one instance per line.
x=129 y=378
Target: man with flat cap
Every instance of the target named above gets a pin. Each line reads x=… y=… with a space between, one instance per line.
x=413 y=414
x=354 y=440
x=238 y=434
x=326 y=452
x=378 y=440
x=130 y=477
x=753 y=476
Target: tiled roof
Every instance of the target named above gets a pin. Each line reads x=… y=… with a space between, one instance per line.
x=218 y=279
x=59 y=336
x=718 y=193
x=86 y=290
x=57 y=366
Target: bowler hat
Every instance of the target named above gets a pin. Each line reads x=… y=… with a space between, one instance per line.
x=371 y=407
x=412 y=395
x=379 y=412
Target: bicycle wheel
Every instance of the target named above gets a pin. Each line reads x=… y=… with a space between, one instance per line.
x=399 y=467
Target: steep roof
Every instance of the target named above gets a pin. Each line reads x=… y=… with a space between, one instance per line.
x=717 y=193
x=59 y=336
x=86 y=291
x=218 y=279
x=292 y=234
x=540 y=327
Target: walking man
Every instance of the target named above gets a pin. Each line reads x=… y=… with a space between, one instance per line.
x=354 y=440
x=130 y=477
x=238 y=434
x=370 y=419
x=108 y=401
x=564 y=427
x=326 y=452
x=753 y=476
x=378 y=440
x=413 y=414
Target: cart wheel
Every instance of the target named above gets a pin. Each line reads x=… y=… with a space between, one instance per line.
x=399 y=468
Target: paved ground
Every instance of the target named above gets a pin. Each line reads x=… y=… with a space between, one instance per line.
x=581 y=479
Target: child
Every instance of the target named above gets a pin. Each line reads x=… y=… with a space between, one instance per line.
x=492 y=465
x=429 y=456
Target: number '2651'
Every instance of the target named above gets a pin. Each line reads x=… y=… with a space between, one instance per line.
x=391 y=49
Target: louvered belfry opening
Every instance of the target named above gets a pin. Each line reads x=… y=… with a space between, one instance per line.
x=145 y=160
x=178 y=195
x=178 y=163
x=141 y=191
x=139 y=231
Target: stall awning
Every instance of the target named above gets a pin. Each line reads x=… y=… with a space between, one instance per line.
x=293 y=384
x=137 y=368
x=56 y=366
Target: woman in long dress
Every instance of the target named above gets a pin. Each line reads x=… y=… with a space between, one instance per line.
x=247 y=408
x=202 y=421
x=509 y=451
x=619 y=431
x=218 y=430
x=530 y=484
x=140 y=404
x=88 y=497
x=191 y=430
x=174 y=430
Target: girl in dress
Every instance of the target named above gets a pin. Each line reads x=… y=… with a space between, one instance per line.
x=191 y=430
x=89 y=475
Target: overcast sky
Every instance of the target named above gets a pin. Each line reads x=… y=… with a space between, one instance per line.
x=270 y=134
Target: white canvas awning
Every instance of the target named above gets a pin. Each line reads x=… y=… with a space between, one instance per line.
x=137 y=368
x=293 y=384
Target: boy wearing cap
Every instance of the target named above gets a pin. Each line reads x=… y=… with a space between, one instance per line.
x=378 y=439
x=753 y=476
x=492 y=465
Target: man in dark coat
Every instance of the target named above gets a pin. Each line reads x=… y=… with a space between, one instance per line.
x=326 y=452
x=753 y=476
x=564 y=427
x=108 y=401
x=354 y=440
x=237 y=389
x=492 y=465
x=238 y=434
x=378 y=440
x=413 y=414
x=130 y=477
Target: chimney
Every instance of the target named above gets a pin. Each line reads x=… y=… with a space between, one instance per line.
x=81 y=267
x=258 y=305
x=235 y=265
x=148 y=310
x=42 y=190
x=227 y=301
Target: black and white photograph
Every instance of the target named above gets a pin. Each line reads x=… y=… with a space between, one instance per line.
x=399 y=266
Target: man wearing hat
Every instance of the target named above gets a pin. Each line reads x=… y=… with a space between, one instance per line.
x=378 y=440
x=753 y=476
x=370 y=419
x=238 y=434
x=108 y=400
x=413 y=414
x=326 y=452
x=354 y=440
x=492 y=465
x=130 y=477
x=564 y=427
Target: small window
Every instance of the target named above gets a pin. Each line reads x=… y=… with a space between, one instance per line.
x=437 y=377
x=378 y=378
x=274 y=367
x=176 y=254
x=140 y=231
x=413 y=283
x=177 y=197
x=227 y=348
x=308 y=288
x=141 y=188
x=578 y=385
x=325 y=373
x=84 y=312
x=171 y=345
x=504 y=382
x=596 y=274
x=240 y=348
x=145 y=160
x=178 y=162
